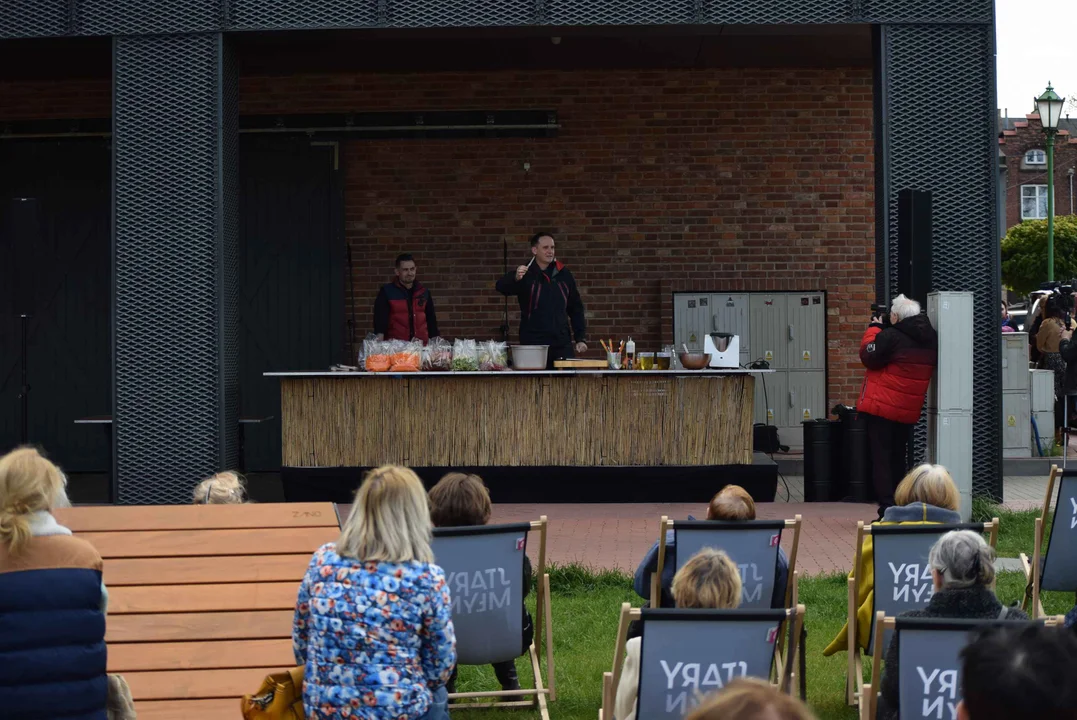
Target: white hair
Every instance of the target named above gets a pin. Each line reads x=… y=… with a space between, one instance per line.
x=904 y=307
x=963 y=558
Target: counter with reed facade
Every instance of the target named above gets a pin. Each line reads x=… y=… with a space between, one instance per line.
x=559 y=418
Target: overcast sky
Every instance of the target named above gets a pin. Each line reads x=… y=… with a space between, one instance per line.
x=1035 y=46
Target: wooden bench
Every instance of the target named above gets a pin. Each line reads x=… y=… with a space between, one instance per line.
x=201 y=597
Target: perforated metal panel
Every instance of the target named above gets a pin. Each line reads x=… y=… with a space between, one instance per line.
x=949 y=149
x=33 y=18
x=767 y=13
x=927 y=11
x=288 y=14
x=174 y=123
x=138 y=17
x=623 y=12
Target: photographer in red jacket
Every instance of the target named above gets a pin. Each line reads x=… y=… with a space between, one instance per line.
x=900 y=359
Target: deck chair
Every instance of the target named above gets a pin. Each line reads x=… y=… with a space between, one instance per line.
x=752 y=544
x=1054 y=568
x=685 y=654
x=484 y=568
x=929 y=665
x=902 y=579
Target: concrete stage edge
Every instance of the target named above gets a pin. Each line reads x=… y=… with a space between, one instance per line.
x=597 y=484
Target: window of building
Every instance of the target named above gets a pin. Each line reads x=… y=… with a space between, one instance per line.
x=1035 y=157
x=1033 y=202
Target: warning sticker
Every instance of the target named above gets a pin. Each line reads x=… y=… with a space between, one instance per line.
x=768 y=356
x=807 y=414
x=770 y=414
x=806 y=356
x=1011 y=420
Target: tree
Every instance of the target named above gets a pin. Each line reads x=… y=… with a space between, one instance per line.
x=1024 y=253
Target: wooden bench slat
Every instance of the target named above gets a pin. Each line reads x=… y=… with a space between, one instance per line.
x=188 y=543
x=242 y=625
x=117 y=518
x=223 y=709
x=198 y=684
x=202 y=598
x=196 y=570
x=226 y=654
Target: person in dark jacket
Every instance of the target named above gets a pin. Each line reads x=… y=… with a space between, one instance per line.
x=900 y=360
x=52 y=601
x=548 y=299
x=1067 y=349
x=962 y=570
x=731 y=504
x=404 y=309
x=462 y=500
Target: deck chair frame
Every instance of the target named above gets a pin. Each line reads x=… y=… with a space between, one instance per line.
x=527 y=697
x=1034 y=569
x=855 y=677
x=885 y=623
x=792 y=592
x=610 y=680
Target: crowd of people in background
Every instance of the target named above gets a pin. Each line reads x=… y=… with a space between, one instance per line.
x=373 y=619
x=1051 y=347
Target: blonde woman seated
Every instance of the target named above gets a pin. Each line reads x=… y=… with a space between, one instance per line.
x=750 y=699
x=52 y=601
x=927 y=496
x=224 y=488
x=373 y=620
x=962 y=570
x=709 y=579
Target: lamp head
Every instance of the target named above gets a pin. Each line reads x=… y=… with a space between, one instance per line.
x=1049 y=106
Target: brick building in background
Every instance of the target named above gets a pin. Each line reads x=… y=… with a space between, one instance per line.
x=1022 y=144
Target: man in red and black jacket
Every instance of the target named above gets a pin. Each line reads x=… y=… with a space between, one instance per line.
x=404 y=309
x=900 y=360
x=548 y=299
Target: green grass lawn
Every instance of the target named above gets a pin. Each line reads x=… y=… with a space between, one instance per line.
x=586 y=607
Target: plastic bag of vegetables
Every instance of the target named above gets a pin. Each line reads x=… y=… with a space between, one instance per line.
x=465 y=356
x=405 y=356
x=493 y=356
x=437 y=355
x=376 y=355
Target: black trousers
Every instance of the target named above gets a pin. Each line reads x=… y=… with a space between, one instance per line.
x=889 y=445
x=559 y=352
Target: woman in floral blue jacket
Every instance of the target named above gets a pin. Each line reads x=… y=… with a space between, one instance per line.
x=373 y=621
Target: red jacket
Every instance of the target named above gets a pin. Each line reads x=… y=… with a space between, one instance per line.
x=900 y=360
x=402 y=313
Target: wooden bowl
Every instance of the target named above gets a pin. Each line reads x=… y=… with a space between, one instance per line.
x=695 y=360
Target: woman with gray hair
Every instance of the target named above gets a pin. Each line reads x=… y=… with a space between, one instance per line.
x=962 y=571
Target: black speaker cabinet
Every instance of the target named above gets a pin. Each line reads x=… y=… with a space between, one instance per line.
x=914 y=244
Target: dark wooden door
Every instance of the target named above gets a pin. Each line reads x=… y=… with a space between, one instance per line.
x=291 y=275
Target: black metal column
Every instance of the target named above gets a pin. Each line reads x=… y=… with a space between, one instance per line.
x=937 y=132
x=175 y=227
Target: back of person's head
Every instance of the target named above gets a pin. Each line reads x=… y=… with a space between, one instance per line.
x=963 y=558
x=904 y=307
x=750 y=699
x=390 y=519
x=710 y=579
x=1056 y=306
x=929 y=484
x=731 y=503
x=459 y=500
x=1016 y=673
x=224 y=488
x=29 y=483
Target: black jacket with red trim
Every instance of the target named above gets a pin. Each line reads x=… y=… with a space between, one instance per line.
x=548 y=300
x=402 y=313
x=900 y=360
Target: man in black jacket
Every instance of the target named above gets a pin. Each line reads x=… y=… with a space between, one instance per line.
x=548 y=299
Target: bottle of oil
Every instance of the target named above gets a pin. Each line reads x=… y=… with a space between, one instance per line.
x=630 y=355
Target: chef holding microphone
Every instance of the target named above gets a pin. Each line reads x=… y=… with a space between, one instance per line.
x=549 y=300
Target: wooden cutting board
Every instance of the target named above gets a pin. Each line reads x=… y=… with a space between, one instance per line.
x=581 y=364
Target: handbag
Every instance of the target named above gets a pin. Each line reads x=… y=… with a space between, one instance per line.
x=279 y=698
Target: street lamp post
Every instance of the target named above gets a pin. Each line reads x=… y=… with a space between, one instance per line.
x=1049 y=106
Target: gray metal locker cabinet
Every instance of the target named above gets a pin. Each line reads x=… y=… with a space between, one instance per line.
x=807 y=401
x=768 y=324
x=951 y=314
x=729 y=314
x=775 y=387
x=949 y=439
x=1016 y=423
x=807 y=332
x=691 y=318
x=1015 y=362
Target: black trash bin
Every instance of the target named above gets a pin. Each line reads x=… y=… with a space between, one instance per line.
x=857 y=465
x=820 y=472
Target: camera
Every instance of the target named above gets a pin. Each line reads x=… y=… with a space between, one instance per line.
x=880 y=310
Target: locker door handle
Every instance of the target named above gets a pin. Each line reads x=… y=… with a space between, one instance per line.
x=792 y=398
x=791 y=333
x=714 y=323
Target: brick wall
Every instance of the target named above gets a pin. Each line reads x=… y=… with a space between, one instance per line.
x=1025 y=135
x=659 y=181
